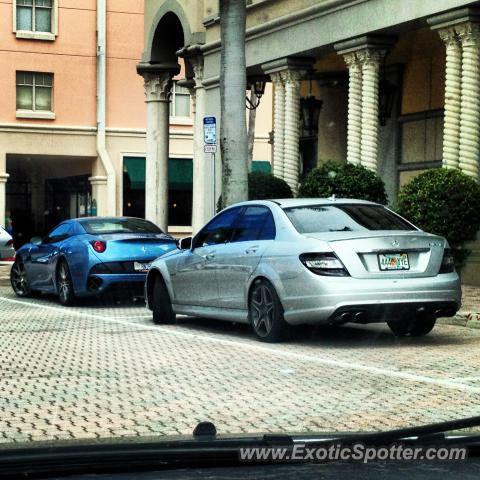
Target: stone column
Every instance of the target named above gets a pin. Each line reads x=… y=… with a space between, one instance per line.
x=3 y=181
x=370 y=62
x=157 y=92
x=363 y=56
x=354 y=126
x=286 y=74
x=451 y=123
x=99 y=193
x=278 y=124
x=291 y=153
x=469 y=149
x=200 y=173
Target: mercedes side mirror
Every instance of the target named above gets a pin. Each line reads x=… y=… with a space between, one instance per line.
x=185 y=243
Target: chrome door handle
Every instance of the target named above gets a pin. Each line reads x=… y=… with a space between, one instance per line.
x=251 y=249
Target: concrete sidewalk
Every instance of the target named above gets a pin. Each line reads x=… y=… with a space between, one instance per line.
x=469 y=314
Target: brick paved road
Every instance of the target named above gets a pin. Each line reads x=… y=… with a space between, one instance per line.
x=102 y=370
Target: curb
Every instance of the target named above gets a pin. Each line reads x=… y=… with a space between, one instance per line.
x=462 y=319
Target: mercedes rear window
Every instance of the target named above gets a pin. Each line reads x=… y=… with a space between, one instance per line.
x=119 y=225
x=344 y=218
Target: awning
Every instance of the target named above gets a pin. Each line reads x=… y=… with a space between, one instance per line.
x=180 y=173
x=261 y=166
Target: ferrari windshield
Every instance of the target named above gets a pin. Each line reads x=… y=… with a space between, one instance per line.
x=345 y=218
x=119 y=225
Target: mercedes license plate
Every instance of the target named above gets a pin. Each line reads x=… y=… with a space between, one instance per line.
x=393 y=261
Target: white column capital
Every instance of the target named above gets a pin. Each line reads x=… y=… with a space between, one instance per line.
x=370 y=57
x=198 y=69
x=468 y=33
x=449 y=36
x=351 y=60
x=4 y=177
x=276 y=78
x=291 y=76
x=158 y=87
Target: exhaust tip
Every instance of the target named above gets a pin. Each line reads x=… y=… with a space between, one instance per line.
x=360 y=317
x=94 y=283
x=344 y=317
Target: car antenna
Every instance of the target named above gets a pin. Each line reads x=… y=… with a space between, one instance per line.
x=332 y=197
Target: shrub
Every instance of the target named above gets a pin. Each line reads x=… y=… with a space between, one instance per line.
x=445 y=202
x=263 y=186
x=343 y=180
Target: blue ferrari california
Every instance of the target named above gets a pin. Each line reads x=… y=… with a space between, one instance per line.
x=85 y=256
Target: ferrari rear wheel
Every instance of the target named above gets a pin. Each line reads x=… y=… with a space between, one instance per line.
x=66 y=295
x=19 y=280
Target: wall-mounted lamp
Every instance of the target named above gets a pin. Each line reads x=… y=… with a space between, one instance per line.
x=258 y=87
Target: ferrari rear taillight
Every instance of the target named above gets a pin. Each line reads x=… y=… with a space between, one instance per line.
x=99 y=246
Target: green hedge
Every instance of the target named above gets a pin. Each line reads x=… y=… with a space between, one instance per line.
x=264 y=186
x=344 y=180
x=445 y=202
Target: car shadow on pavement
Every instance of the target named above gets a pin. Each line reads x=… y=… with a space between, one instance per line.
x=371 y=335
x=345 y=336
x=111 y=301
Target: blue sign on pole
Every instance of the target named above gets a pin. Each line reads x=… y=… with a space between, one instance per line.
x=210 y=130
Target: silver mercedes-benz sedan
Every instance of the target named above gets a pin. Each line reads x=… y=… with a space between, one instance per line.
x=279 y=263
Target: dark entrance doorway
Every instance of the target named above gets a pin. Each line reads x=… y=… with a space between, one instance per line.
x=180 y=181
x=69 y=197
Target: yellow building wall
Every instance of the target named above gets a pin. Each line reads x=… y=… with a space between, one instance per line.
x=422 y=52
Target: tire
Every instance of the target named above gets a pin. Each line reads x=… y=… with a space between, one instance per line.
x=265 y=313
x=66 y=294
x=19 y=280
x=163 y=313
x=423 y=326
x=416 y=327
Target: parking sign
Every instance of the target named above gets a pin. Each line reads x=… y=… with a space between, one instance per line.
x=210 y=130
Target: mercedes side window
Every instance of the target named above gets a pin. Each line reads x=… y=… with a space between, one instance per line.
x=256 y=223
x=268 y=231
x=219 y=230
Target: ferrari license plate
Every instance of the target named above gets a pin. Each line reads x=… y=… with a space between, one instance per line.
x=141 y=267
x=393 y=261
